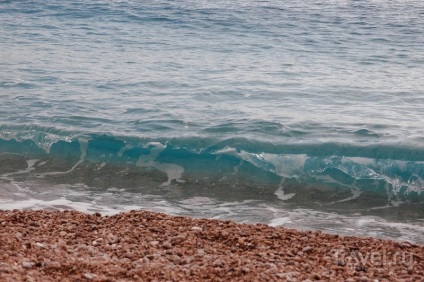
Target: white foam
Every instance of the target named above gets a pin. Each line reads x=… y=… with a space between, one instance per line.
x=365 y=221
x=102 y=165
x=236 y=167
x=96 y=204
x=396 y=203
x=43 y=140
x=30 y=167
x=358 y=160
x=356 y=192
x=82 y=198
x=113 y=189
x=281 y=194
x=198 y=201
x=280 y=221
x=286 y=165
x=227 y=151
x=42 y=163
x=123 y=149
x=83 y=148
x=173 y=171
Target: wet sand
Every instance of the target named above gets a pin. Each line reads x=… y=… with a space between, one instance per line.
x=147 y=246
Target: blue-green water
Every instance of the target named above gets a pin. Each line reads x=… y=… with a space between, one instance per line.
x=297 y=113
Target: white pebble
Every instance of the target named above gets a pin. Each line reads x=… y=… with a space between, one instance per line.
x=41 y=246
x=89 y=276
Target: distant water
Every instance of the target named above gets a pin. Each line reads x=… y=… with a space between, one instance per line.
x=307 y=114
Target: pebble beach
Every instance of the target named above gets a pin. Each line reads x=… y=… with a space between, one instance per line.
x=238 y=120
x=147 y=246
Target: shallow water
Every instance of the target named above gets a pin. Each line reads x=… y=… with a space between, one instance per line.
x=298 y=113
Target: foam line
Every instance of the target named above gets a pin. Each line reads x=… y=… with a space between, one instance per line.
x=173 y=171
x=83 y=148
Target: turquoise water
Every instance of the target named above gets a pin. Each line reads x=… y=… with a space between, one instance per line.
x=298 y=113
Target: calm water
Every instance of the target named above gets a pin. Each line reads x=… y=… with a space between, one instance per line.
x=306 y=114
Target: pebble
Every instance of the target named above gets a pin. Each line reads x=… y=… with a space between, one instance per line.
x=123 y=248
x=405 y=245
x=316 y=276
x=146 y=260
x=98 y=241
x=89 y=276
x=177 y=239
x=197 y=228
x=246 y=269
x=307 y=249
x=41 y=246
x=167 y=246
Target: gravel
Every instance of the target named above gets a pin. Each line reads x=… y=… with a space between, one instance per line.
x=147 y=246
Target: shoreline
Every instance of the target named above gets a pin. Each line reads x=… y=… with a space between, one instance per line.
x=139 y=245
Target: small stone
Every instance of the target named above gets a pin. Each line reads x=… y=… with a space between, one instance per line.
x=177 y=239
x=190 y=259
x=28 y=278
x=41 y=246
x=112 y=238
x=316 y=276
x=34 y=224
x=89 y=276
x=146 y=259
x=197 y=229
x=307 y=249
x=337 y=267
x=18 y=235
x=405 y=245
x=4 y=270
x=218 y=263
x=154 y=243
x=26 y=264
x=91 y=250
x=97 y=241
x=63 y=233
x=167 y=246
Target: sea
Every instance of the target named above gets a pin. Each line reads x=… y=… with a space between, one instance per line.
x=306 y=114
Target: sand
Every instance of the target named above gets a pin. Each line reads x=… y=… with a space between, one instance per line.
x=147 y=246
